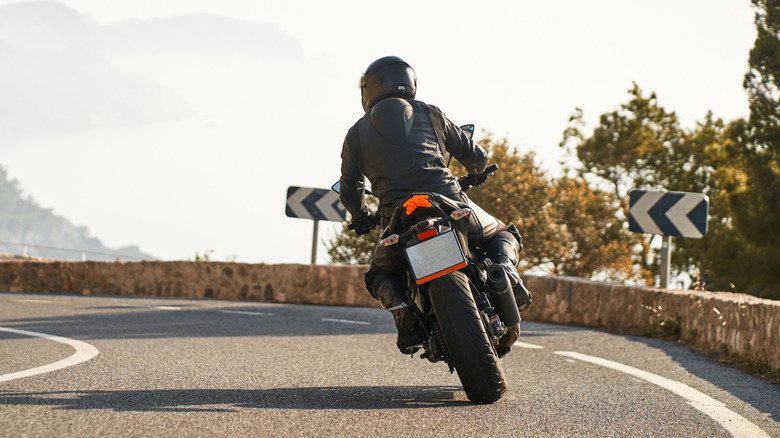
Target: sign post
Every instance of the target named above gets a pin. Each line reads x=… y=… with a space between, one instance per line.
x=666 y=265
x=317 y=205
x=314 y=242
x=681 y=214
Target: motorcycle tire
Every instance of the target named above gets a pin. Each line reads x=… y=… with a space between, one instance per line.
x=470 y=350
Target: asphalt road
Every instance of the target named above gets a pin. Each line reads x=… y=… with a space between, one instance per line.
x=154 y=367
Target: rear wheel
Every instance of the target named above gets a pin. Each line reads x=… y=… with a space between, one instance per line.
x=469 y=348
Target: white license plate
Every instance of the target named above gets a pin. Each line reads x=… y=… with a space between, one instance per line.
x=435 y=257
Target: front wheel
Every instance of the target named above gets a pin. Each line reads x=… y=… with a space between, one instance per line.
x=469 y=348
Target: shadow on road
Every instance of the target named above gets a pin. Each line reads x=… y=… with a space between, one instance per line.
x=227 y=400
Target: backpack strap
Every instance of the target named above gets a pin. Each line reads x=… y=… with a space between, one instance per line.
x=353 y=142
x=438 y=127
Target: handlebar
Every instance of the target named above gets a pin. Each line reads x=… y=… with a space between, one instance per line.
x=467 y=181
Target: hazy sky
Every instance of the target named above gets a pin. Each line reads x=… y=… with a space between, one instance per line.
x=515 y=67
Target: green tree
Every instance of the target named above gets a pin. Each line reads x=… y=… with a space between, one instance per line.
x=596 y=242
x=626 y=151
x=628 y=145
x=755 y=148
x=642 y=146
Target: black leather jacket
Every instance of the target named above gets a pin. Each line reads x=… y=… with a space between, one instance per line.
x=396 y=146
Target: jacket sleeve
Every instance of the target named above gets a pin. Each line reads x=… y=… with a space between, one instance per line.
x=470 y=154
x=352 y=189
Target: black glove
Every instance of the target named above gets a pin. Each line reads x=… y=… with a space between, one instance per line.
x=364 y=224
x=477 y=180
x=468 y=181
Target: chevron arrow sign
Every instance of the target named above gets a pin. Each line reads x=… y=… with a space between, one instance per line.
x=681 y=214
x=315 y=204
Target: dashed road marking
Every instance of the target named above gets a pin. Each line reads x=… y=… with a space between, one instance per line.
x=84 y=352
x=36 y=301
x=346 y=321
x=736 y=424
x=244 y=312
x=154 y=307
x=529 y=346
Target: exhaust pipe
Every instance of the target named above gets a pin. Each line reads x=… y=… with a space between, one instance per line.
x=502 y=295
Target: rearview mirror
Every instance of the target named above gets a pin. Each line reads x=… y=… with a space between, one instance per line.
x=468 y=130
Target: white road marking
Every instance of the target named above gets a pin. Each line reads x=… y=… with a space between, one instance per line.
x=84 y=352
x=346 y=321
x=736 y=424
x=35 y=301
x=243 y=312
x=526 y=345
x=154 y=307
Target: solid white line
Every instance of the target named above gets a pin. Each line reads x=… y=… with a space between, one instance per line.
x=346 y=321
x=242 y=312
x=84 y=352
x=35 y=301
x=525 y=345
x=736 y=424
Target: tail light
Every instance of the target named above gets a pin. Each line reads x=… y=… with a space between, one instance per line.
x=415 y=201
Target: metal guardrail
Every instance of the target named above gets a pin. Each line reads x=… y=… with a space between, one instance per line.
x=80 y=251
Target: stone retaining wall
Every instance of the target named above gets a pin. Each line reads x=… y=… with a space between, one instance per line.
x=737 y=325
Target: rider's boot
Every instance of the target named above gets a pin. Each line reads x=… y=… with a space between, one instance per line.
x=410 y=334
x=503 y=250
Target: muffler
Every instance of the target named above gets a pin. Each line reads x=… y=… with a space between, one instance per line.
x=502 y=295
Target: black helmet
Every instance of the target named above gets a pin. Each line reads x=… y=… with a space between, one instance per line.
x=390 y=76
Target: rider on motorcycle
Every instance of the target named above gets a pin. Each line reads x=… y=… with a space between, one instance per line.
x=399 y=145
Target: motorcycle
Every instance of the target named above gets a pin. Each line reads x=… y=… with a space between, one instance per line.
x=464 y=303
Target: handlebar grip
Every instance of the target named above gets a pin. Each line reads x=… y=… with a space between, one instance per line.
x=467 y=181
x=365 y=225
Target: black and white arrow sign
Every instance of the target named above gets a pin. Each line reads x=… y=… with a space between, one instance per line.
x=315 y=204
x=681 y=214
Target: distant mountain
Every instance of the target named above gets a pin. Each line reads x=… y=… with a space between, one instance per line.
x=24 y=221
x=54 y=78
x=60 y=70
x=201 y=35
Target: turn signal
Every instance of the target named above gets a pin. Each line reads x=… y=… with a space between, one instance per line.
x=415 y=201
x=460 y=214
x=391 y=240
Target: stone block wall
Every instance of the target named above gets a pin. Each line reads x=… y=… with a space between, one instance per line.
x=742 y=326
x=298 y=284
x=737 y=325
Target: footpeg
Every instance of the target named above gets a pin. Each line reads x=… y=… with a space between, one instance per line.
x=412 y=349
x=403 y=305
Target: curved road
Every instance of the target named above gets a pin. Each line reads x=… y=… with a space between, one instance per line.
x=102 y=366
